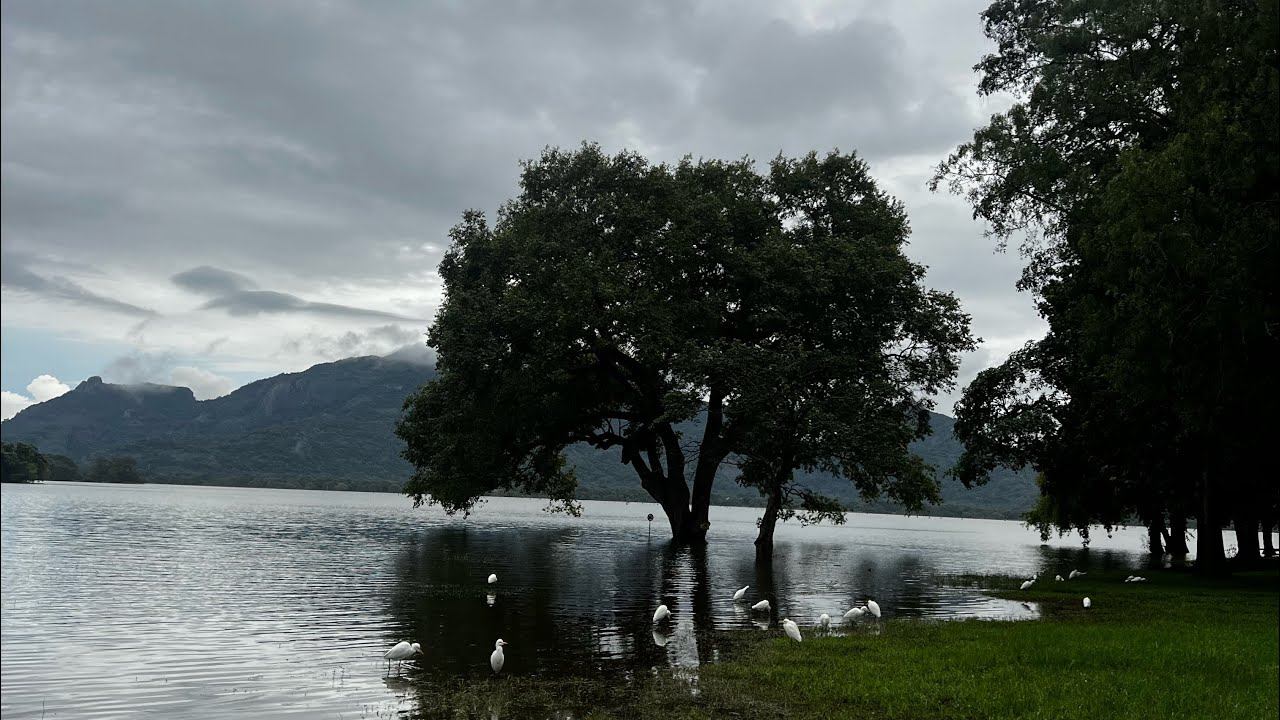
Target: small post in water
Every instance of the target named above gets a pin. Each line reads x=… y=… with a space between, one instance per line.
x=650 y=526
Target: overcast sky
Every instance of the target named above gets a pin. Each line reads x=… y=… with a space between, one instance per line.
x=209 y=193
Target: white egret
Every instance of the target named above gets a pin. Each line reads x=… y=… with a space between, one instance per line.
x=854 y=613
x=402 y=651
x=824 y=620
x=1026 y=585
x=1074 y=574
x=662 y=613
x=762 y=606
x=791 y=629
x=873 y=607
x=496 y=659
x=742 y=592
x=1088 y=603
x=1057 y=578
x=493 y=579
x=1129 y=579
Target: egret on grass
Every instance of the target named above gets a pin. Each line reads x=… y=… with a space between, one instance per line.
x=402 y=651
x=791 y=629
x=1057 y=578
x=493 y=579
x=762 y=606
x=1026 y=585
x=854 y=613
x=873 y=607
x=496 y=659
x=824 y=621
x=742 y=592
x=1088 y=603
x=1074 y=574
x=662 y=613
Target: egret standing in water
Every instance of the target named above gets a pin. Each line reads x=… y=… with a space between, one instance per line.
x=662 y=613
x=402 y=651
x=496 y=659
x=742 y=592
x=762 y=606
x=791 y=629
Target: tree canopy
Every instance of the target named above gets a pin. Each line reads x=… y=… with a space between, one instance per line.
x=22 y=463
x=614 y=300
x=1138 y=170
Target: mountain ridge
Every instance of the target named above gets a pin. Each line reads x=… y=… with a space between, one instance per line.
x=330 y=427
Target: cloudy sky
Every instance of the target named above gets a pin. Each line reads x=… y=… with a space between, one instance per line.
x=205 y=194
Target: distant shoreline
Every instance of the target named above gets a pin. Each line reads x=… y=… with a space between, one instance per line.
x=646 y=501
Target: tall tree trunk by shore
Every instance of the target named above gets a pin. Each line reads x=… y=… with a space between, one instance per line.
x=1210 y=556
x=1246 y=537
x=1177 y=544
x=1155 y=536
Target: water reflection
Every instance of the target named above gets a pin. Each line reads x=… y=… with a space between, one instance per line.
x=225 y=603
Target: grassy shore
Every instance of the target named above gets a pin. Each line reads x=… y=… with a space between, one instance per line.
x=1177 y=646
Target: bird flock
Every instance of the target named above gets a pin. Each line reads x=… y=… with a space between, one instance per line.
x=789 y=626
x=1087 y=602
x=404 y=650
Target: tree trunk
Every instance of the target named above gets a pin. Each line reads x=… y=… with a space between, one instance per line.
x=768 y=523
x=1268 y=547
x=1177 y=545
x=773 y=506
x=1155 y=536
x=1210 y=557
x=1246 y=537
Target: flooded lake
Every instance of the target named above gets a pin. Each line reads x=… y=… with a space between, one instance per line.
x=172 y=601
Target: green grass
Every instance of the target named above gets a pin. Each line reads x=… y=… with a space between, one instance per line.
x=1178 y=646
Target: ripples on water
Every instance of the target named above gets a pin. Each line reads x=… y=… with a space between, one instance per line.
x=166 y=601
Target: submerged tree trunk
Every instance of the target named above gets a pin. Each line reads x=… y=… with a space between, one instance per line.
x=1246 y=537
x=1155 y=536
x=768 y=523
x=773 y=506
x=1177 y=544
x=1210 y=557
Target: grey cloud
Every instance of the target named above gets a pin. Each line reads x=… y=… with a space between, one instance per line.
x=337 y=143
x=17 y=277
x=256 y=302
x=375 y=341
x=138 y=367
x=771 y=75
x=207 y=280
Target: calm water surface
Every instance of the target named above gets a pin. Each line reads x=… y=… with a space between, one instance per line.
x=172 y=601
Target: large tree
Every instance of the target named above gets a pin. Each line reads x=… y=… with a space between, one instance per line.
x=615 y=301
x=1138 y=167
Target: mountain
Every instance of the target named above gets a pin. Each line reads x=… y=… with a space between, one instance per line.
x=330 y=427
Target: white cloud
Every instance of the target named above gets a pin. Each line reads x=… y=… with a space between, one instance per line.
x=12 y=403
x=46 y=387
x=203 y=384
